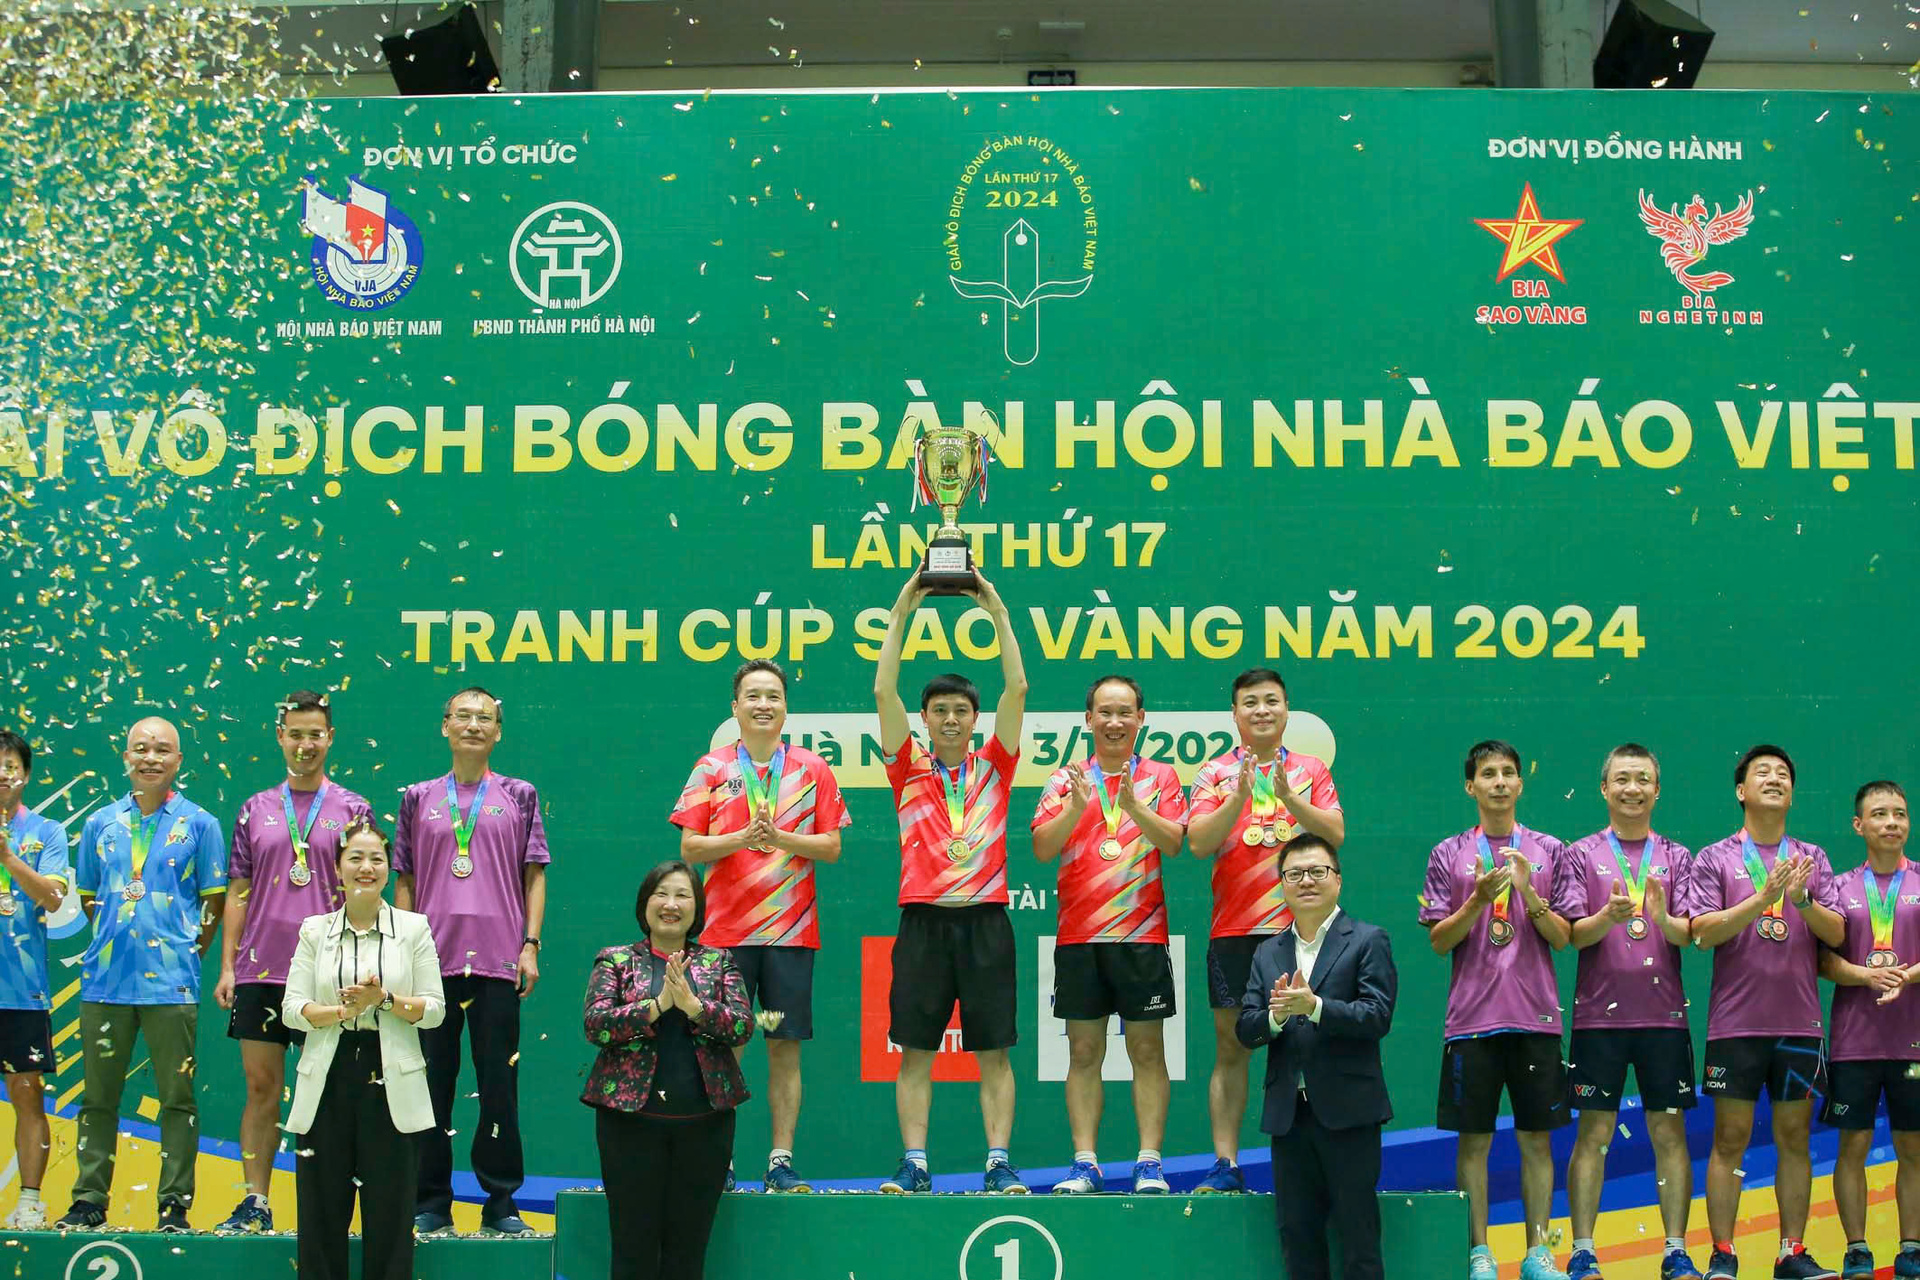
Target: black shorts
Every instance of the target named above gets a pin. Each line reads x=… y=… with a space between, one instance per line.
x=26 y=1041
x=256 y=1015
x=1229 y=964
x=1854 y=1090
x=944 y=954
x=780 y=978
x=1662 y=1062
x=1094 y=979
x=1789 y=1068
x=1527 y=1064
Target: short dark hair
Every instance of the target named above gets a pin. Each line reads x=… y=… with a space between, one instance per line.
x=1754 y=753
x=12 y=743
x=1139 y=698
x=1253 y=676
x=1488 y=749
x=767 y=665
x=952 y=682
x=499 y=715
x=1859 y=797
x=363 y=825
x=1628 y=749
x=302 y=700
x=652 y=882
x=1306 y=842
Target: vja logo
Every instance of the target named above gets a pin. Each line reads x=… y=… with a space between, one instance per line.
x=366 y=253
x=1024 y=198
x=571 y=254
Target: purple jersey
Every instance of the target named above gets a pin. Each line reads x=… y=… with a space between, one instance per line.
x=1760 y=987
x=1863 y=1030
x=262 y=854
x=1624 y=981
x=1497 y=988
x=479 y=920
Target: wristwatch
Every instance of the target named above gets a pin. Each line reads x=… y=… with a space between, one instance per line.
x=386 y=1003
x=530 y=942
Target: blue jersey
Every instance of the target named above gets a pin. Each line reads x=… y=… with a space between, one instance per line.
x=41 y=843
x=143 y=948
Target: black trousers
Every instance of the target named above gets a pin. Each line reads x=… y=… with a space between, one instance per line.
x=353 y=1139
x=489 y=1010
x=1325 y=1180
x=663 y=1181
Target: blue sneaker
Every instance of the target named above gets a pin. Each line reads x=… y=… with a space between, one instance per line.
x=1723 y=1266
x=782 y=1180
x=1224 y=1178
x=1678 y=1266
x=250 y=1215
x=1538 y=1265
x=908 y=1179
x=1148 y=1180
x=1800 y=1265
x=1583 y=1265
x=1906 y=1265
x=1858 y=1264
x=1083 y=1178
x=1481 y=1266
x=1004 y=1180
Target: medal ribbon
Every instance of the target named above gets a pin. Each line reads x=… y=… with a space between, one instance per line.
x=1266 y=804
x=143 y=835
x=759 y=792
x=294 y=831
x=955 y=784
x=463 y=831
x=1501 y=903
x=1636 y=889
x=1110 y=809
x=1757 y=871
x=1880 y=907
x=13 y=840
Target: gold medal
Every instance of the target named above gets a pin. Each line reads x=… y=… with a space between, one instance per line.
x=957 y=850
x=1253 y=835
x=1111 y=849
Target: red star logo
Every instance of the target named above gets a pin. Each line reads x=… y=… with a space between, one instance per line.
x=1529 y=237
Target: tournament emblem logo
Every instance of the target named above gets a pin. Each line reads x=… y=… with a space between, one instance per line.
x=1687 y=235
x=366 y=253
x=565 y=255
x=1021 y=207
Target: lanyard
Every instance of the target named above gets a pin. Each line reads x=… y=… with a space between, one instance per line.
x=14 y=839
x=143 y=834
x=1110 y=808
x=1880 y=907
x=1757 y=871
x=955 y=784
x=294 y=830
x=1265 y=804
x=463 y=831
x=758 y=792
x=1636 y=888
x=1501 y=903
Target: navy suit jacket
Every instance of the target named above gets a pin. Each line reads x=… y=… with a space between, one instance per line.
x=1339 y=1057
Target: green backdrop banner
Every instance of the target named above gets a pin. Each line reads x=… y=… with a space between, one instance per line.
x=1565 y=417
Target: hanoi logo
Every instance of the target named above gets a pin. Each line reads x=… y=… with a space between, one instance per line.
x=1687 y=235
x=565 y=255
x=1530 y=241
x=1021 y=208
x=366 y=253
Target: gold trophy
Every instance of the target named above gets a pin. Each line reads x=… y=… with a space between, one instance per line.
x=948 y=462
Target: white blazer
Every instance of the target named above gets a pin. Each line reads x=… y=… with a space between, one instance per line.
x=400 y=950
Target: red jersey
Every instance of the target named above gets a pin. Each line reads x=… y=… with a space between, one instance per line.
x=1246 y=878
x=927 y=871
x=757 y=899
x=1118 y=899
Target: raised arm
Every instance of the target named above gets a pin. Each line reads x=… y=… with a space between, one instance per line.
x=886 y=676
x=1012 y=707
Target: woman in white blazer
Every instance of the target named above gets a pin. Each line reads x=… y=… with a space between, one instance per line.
x=364 y=979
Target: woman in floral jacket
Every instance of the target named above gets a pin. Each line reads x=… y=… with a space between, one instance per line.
x=666 y=1013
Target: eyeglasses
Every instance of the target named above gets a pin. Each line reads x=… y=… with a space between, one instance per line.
x=1300 y=875
x=472 y=717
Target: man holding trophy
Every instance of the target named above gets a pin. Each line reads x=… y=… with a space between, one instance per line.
x=955 y=941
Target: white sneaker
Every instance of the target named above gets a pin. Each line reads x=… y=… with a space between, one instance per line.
x=28 y=1217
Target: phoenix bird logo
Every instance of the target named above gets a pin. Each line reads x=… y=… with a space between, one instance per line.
x=1687 y=234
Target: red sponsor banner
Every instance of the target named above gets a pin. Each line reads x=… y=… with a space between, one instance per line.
x=879 y=1056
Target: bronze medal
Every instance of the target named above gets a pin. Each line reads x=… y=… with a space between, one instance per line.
x=1772 y=928
x=1881 y=959
x=1637 y=928
x=1111 y=849
x=957 y=850
x=1499 y=931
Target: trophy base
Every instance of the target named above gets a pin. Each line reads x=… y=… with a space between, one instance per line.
x=947 y=569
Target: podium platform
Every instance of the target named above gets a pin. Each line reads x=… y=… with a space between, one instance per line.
x=201 y=1255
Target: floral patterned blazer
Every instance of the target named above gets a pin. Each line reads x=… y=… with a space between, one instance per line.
x=619 y=1023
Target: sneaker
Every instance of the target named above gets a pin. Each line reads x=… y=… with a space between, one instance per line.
x=730 y=1185
x=1723 y=1266
x=84 y=1215
x=1148 y=1180
x=1002 y=1179
x=1224 y=1178
x=1583 y=1265
x=28 y=1217
x=432 y=1224
x=1678 y=1266
x=1084 y=1177
x=908 y=1179
x=250 y=1215
x=1538 y=1265
x=1858 y=1264
x=1799 y=1265
x=173 y=1219
x=1481 y=1266
x=781 y=1179
x=507 y=1224
x=1906 y=1265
